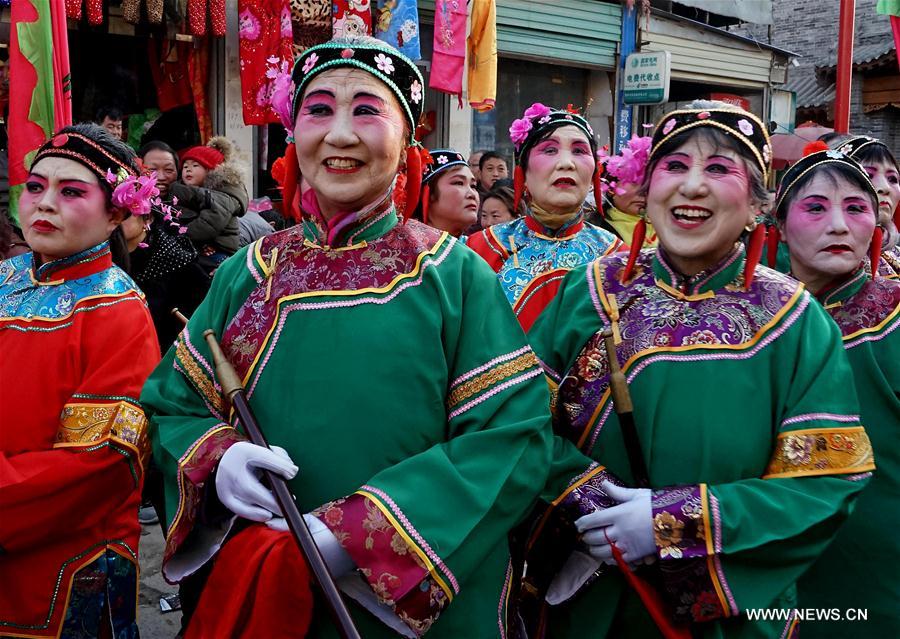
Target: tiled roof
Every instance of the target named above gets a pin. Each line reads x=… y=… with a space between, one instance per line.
x=809 y=92
x=864 y=54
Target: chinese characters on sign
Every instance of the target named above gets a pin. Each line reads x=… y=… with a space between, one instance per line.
x=646 y=78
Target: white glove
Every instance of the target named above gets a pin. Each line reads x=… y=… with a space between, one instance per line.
x=238 y=484
x=337 y=559
x=629 y=525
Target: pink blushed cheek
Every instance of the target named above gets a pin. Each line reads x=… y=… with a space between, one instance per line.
x=541 y=162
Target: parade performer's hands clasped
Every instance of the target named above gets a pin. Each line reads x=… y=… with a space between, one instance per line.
x=237 y=480
x=629 y=525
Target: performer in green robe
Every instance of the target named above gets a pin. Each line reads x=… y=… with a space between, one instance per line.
x=743 y=405
x=827 y=211
x=382 y=356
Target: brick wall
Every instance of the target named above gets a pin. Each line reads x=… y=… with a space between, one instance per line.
x=810 y=29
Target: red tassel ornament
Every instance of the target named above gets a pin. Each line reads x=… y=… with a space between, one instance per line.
x=649 y=597
x=518 y=186
x=426 y=200
x=637 y=243
x=598 y=194
x=773 y=236
x=875 y=250
x=291 y=184
x=754 y=252
x=413 y=179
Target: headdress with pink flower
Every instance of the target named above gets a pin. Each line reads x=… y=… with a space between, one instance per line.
x=131 y=191
x=536 y=121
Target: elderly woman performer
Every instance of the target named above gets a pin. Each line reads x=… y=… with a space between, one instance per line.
x=827 y=212
x=883 y=170
x=556 y=165
x=412 y=492
x=747 y=442
x=77 y=343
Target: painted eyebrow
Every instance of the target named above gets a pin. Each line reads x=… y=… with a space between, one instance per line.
x=44 y=177
x=723 y=157
x=319 y=93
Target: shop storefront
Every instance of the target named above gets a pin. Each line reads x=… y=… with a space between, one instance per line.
x=557 y=52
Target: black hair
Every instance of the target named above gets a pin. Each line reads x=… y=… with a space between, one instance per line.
x=875 y=154
x=504 y=194
x=719 y=140
x=490 y=155
x=111 y=112
x=834 y=171
x=159 y=145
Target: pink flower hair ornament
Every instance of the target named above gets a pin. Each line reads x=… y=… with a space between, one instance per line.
x=626 y=167
x=139 y=195
x=282 y=94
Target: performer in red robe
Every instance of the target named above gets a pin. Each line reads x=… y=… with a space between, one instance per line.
x=76 y=344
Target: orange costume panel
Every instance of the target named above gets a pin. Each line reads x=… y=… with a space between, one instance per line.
x=77 y=344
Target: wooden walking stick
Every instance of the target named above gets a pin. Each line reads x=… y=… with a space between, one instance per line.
x=621 y=397
x=618 y=388
x=234 y=391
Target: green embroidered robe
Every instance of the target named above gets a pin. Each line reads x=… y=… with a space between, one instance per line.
x=744 y=405
x=391 y=369
x=865 y=550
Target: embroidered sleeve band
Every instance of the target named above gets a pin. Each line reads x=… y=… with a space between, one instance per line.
x=83 y=424
x=827 y=451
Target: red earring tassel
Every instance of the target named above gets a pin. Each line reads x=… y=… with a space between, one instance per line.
x=875 y=250
x=754 y=252
x=598 y=194
x=291 y=183
x=426 y=199
x=518 y=186
x=637 y=243
x=413 y=180
x=772 y=239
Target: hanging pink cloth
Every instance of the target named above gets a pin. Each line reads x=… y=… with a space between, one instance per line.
x=448 y=60
x=351 y=18
x=264 y=31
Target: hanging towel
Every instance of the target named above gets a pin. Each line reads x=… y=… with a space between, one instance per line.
x=397 y=23
x=483 y=55
x=449 y=46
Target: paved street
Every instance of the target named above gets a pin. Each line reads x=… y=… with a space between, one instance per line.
x=153 y=623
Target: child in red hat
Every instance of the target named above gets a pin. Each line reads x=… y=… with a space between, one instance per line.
x=211 y=197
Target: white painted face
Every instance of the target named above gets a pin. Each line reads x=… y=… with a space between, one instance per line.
x=828 y=229
x=699 y=202
x=349 y=136
x=560 y=169
x=63 y=209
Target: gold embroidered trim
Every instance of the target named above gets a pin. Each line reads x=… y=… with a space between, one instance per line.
x=491 y=377
x=831 y=451
x=195 y=373
x=81 y=424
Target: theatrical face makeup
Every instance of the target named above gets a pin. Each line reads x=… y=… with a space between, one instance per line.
x=828 y=229
x=456 y=207
x=63 y=209
x=886 y=180
x=560 y=170
x=698 y=202
x=350 y=135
